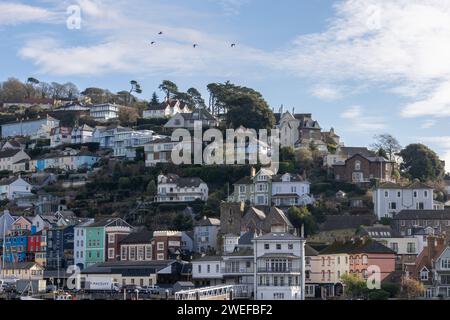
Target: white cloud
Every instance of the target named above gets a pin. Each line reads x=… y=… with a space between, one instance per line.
x=358 y=121
x=124 y=46
x=396 y=43
x=15 y=13
x=326 y=92
x=231 y=7
x=427 y=124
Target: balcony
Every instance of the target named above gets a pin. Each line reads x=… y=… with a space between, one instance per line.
x=278 y=270
x=243 y=271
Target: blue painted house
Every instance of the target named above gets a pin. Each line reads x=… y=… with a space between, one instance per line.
x=16 y=246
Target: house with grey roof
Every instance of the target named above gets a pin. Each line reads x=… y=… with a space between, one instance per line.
x=187 y=120
x=173 y=188
x=166 y=109
x=205 y=234
x=391 y=198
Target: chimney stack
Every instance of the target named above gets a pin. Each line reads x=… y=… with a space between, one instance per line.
x=430 y=246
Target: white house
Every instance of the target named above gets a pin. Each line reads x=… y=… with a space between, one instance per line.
x=390 y=198
x=166 y=109
x=104 y=112
x=290 y=189
x=205 y=235
x=43 y=222
x=79 y=243
x=13 y=188
x=279 y=259
x=172 y=188
x=82 y=134
x=60 y=136
x=28 y=127
x=266 y=188
x=10 y=157
x=187 y=120
x=127 y=141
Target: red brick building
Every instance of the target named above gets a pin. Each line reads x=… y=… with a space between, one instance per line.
x=166 y=245
x=362 y=169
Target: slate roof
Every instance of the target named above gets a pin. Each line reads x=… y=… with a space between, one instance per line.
x=140 y=237
x=8 y=181
x=414 y=185
x=273 y=236
x=294 y=178
x=246 y=238
x=205 y=222
x=184 y=182
x=341 y=222
x=128 y=268
x=310 y=251
x=379 y=231
x=7 y=153
x=423 y=214
x=357 y=246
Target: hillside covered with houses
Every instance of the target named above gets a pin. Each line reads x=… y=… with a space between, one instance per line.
x=87 y=179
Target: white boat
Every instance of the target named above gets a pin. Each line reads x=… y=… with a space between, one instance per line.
x=29 y=298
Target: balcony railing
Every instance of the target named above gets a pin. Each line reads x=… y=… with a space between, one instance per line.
x=237 y=271
x=279 y=270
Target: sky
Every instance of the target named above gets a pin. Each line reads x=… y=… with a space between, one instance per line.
x=363 y=67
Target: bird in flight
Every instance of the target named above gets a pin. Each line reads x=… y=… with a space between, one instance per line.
x=153 y=42
x=233 y=45
x=160 y=32
x=195 y=45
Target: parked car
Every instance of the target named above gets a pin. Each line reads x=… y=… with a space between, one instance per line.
x=151 y=289
x=131 y=288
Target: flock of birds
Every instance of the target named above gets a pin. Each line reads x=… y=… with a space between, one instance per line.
x=195 y=45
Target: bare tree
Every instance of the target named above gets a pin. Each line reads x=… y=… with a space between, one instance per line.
x=388 y=143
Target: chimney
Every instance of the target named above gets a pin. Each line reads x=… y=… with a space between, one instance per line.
x=440 y=242
x=430 y=246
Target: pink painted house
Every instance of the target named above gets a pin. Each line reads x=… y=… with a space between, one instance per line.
x=21 y=223
x=366 y=253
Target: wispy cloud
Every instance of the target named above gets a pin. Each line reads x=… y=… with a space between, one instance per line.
x=326 y=92
x=358 y=121
x=382 y=43
x=124 y=46
x=231 y=7
x=427 y=124
x=12 y=14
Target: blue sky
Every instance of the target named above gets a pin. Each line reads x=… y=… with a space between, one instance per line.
x=363 y=67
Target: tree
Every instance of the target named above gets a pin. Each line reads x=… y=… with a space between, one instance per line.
x=70 y=91
x=183 y=222
x=287 y=154
x=388 y=143
x=300 y=216
x=378 y=295
x=13 y=90
x=151 y=188
x=128 y=116
x=261 y=115
x=354 y=286
x=196 y=98
x=155 y=99
x=411 y=289
x=420 y=162
x=169 y=88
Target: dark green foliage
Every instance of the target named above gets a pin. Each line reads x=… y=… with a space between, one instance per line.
x=420 y=162
x=378 y=295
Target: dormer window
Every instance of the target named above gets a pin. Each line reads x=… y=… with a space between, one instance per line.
x=424 y=275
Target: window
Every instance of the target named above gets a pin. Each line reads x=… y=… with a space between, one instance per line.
x=419 y=206
x=415 y=194
x=290 y=246
x=445 y=263
x=393 y=205
x=160 y=256
x=110 y=238
x=386 y=194
x=217 y=268
x=278 y=246
x=111 y=253
x=160 y=246
x=199 y=268
x=399 y=194
x=266 y=246
x=425 y=194
x=364 y=260
x=358 y=165
x=411 y=247
x=123 y=253
x=394 y=246
x=424 y=275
